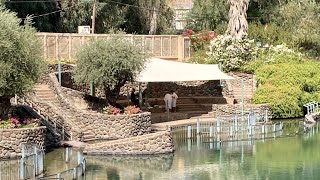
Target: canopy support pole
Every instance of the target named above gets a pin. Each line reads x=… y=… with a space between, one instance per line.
x=140 y=95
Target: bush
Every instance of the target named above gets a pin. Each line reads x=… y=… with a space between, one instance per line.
x=271 y=34
x=231 y=53
x=131 y=110
x=200 y=40
x=199 y=57
x=15 y=122
x=272 y=55
x=287 y=86
x=111 y=110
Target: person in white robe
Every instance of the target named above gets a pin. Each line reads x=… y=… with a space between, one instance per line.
x=174 y=101
x=168 y=101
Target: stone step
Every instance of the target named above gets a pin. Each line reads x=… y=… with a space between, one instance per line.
x=45 y=92
x=89 y=139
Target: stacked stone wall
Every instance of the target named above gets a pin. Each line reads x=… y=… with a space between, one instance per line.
x=11 y=140
x=156 y=89
x=223 y=110
x=154 y=143
x=103 y=126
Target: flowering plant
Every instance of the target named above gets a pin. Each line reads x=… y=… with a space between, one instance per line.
x=14 y=122
x=111 y=110
x=230 y=53
x=131 y=110
x=201 y=39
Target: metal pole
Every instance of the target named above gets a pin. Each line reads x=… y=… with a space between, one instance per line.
x=189 y=132
x=91 y=88
x=242 y=97
x=140 y=94
x=59 y=71
x=198 y=126
x=210 y=131
x=93 y=16
x=67 y=155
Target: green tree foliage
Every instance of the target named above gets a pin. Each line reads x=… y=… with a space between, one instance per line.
x=108 y=16
x=286 y=81
x=109 y=64
x=143 y=13
x=207 y=15
x=302 y=20
x=134 y=16
x=21 y=61
x=49 y=23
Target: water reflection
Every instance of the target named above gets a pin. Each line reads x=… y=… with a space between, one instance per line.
x=292 y=157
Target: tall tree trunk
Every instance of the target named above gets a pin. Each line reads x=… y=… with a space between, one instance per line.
x=153 y=22
x=5 y=107
x=238 y=25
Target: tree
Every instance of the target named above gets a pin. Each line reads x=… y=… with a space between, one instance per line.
x=109 y=64
x=148 y=17
x=238 y=25
x=48 y=23
x=21 y=60
x=207 y=14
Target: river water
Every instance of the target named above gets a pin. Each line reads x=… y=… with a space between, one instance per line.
x=287 y=157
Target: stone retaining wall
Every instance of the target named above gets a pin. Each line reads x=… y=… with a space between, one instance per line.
x=221 y=110
x=157 y=89
x=102 y=126
x=154 y=143
x=11 y=140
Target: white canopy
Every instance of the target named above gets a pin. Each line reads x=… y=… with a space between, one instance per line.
x=159 y=70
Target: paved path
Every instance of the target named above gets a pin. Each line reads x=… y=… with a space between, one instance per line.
x=184 y=122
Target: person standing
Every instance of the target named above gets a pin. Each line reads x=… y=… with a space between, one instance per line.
x=134 y=98
x=174 y=101
x=168 y=101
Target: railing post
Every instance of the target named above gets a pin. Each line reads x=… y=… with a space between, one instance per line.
x=211 y=132
x=22 y=169
x=242 y=98
x=35 y=161
x=67 y=155
x=189 y=132
x=84 y=166
x=59 y=71
x=198 y=126
x=74 y=174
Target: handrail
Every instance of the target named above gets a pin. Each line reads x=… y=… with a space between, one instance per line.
x=34 y=106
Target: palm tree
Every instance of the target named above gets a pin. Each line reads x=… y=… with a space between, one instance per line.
x=238 y=25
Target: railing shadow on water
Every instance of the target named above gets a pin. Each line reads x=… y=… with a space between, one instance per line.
x=77 y=172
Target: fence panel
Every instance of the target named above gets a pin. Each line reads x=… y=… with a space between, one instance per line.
x=65 y=45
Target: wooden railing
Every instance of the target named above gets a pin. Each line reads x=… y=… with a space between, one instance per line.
x=65 y=45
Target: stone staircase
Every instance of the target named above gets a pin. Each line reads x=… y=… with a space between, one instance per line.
x=247 y=93
x=45 y=94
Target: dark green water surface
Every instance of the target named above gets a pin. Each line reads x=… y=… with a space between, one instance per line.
x=296 y=157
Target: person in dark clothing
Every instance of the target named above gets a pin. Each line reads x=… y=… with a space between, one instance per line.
x=134 y=98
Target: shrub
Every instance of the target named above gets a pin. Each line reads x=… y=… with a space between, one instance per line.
x=111 y=110
x=272 y=55
x=199 y=57
x=287 y=86
x=200 y=40
x=131 y=110
x=231 y=53
x=271 y=34
x=15 y=122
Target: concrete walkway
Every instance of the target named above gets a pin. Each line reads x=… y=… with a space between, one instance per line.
x=178 y=123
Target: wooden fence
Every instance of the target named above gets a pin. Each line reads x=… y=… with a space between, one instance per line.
x=64 y=45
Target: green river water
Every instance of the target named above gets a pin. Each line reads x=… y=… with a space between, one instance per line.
x=296 y=157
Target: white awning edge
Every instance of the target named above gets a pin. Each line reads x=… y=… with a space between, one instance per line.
x=159 y=70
